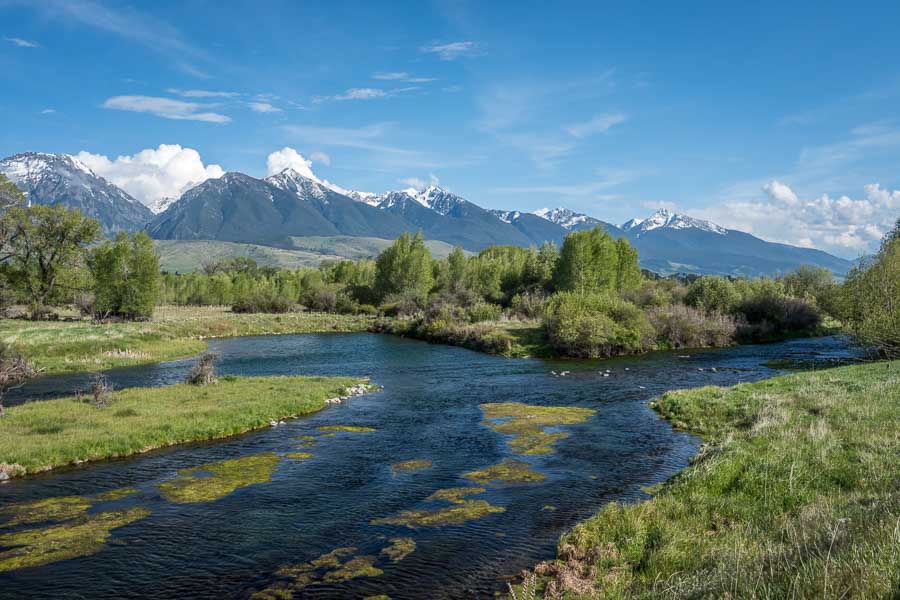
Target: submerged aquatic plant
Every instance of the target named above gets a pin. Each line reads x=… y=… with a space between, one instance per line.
x=508 y=471
x=347 y=428
x=223 y=478
x=61 y=508
x=460 y=511
x=527 y=424
x=81 y=537
x=400 y=548
x=328 y=568
x=409 y=466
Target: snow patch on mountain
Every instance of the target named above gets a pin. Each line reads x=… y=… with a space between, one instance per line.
x=564 y=217
x=665 y=219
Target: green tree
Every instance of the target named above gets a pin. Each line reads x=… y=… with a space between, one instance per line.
x=45 y=253
x=713 y=294
x=404 y=268
x=871 y=298
x=588 y=262
x=10 y=195
x=628 y=275
x=126 y=276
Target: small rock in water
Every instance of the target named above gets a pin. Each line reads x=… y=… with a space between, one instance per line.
x=273 y=423
x=713 y=370
x=4 y=476
x=606 y=374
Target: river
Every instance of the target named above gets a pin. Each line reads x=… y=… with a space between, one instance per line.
x=429 y=408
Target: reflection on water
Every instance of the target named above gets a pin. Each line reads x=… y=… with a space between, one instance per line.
x=236 y=534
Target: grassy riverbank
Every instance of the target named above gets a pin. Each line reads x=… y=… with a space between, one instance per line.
x=796 y=494
x=41 y=435
x=174 y=332
x=512 y=338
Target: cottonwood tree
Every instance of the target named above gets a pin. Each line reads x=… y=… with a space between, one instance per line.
x=43 y=252
x=126 y=276
x=404 y=268
x=592 y=261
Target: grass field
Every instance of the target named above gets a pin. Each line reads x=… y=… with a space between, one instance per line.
x=38 y=436
x=795 y=494
x=174 y=332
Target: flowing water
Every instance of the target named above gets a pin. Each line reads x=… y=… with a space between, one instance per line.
x=233 y=546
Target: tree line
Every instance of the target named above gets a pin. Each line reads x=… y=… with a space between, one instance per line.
x=589 y=297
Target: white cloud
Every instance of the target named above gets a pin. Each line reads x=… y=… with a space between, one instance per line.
x=22 y=43
x=452 y=50
x=165 y=108
x=263 y=107
x=48 y=111
x=361 y=94
x=202 y=93
x=288 y=158
x=320 y=157
x=413 y=182
x=154 y=174
x=844 y=226
x=401 y=76
x=599 y=124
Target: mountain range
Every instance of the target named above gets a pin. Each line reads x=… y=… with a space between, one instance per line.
x=278 y=209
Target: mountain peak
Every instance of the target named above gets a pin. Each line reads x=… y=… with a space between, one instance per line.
x=567 y=218
x=666 y=219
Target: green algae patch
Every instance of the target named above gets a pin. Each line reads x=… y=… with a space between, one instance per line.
x=528 y=423
x=400 y=548
x=461 y=510
x=378 y=597
x=549 y=508
x=409 y=466
x=82 y=537
x=454 y=495
x=216 y=480
x=62 y=508
x=328 y=568
x=163 y=416
x=298 y=455
x=359 y=566
x=508 y=471
x=305 y=440
x=347 y=428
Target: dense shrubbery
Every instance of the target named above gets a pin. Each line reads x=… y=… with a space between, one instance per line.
x=680 y=326
x=595 y=325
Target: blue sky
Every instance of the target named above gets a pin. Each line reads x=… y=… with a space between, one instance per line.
x=776 y=118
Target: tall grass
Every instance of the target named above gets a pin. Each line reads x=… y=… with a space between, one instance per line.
x=796 y=494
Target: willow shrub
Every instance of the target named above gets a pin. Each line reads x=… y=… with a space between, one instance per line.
x=595 y=325
x=679 y=326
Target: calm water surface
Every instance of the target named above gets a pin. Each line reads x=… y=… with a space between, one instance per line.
x=428 y=409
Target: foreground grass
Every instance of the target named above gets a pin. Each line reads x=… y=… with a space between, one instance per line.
x=796 y=494
x=174 y=332
x=41 y=435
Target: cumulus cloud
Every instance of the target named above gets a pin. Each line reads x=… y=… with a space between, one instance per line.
x=165 y=108
x=452 y=50
x=22 y=43
x=152 y=175
x=288 y=158
x=263 y=107
x=599 y=124
x=844 y=226
x=421 y=184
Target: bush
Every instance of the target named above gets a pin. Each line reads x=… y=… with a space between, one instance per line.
x=263 y=302
x=713 y=294
x=679 y=326
x=529 y=305
x=204 y=370
x=596 y=325
x=484 y=311
x=402 y=305
x=768 y=316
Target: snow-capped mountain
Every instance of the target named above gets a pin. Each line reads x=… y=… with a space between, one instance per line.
x=62 y=179
x=664 y=218
x=573 y=221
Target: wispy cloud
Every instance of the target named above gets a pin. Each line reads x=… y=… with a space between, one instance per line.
x=22 y=43
x=48 y=111
x=165 y=108
x=361 y=94
x=363 y=138
x=599 y=124
x=202 y=93
x=452 y=50
x=401 y=76
x=131 y=24
x=263 y=107
x=608 y=179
